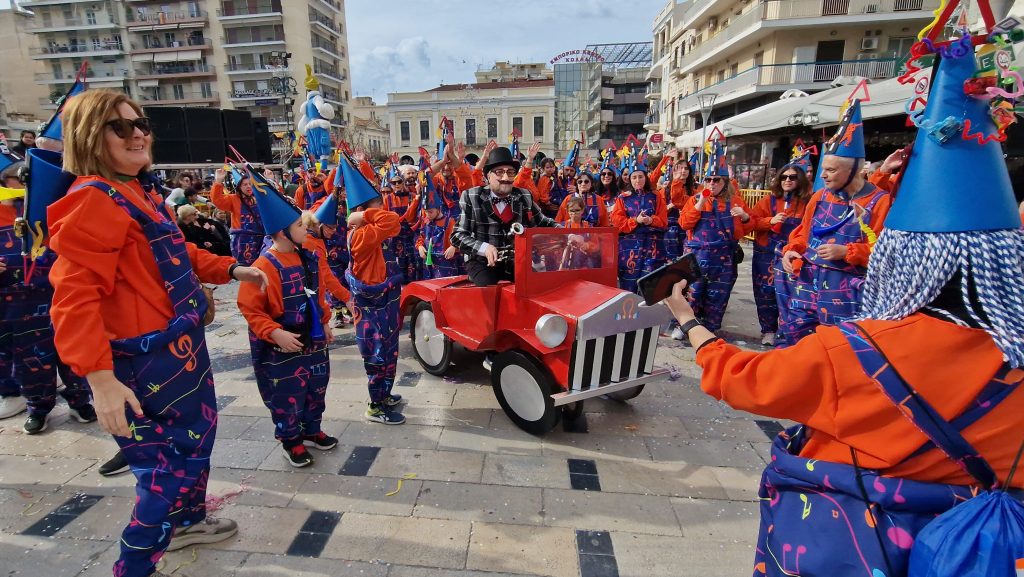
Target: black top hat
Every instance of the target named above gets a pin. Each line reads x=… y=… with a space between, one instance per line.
x=500 y=156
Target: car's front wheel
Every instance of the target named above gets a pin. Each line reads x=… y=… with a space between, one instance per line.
x=523 y=388
x=432 y=348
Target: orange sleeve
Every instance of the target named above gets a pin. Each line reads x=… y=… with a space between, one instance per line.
x=621 y=219
x=478 y=177
x=660 y=169
x=525 y=180
x=226 y=202
x=563 y=214
x=801 y=234
x=660 y=217
x=378 y=226
x=602 y=214
x=543 y=196
x=209 y=267
x=857 y=253
x=689 y=216
x=328 y=284
x=300 y=197
x=761 y=215
x=881 y=180
x=678 y=193
x=796 y=383
x=412 y=214
x=260 y=308
x=367 y=170
x=741 y=229
x=464 y=176
x=89 y=239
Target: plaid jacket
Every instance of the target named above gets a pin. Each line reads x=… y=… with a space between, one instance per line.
x=479 y=223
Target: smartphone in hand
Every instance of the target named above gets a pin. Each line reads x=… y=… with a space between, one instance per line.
x=657 y=286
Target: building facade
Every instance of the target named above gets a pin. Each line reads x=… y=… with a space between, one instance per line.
x=20 y=95
x=369 y=129
x=241 y=54
x=479 y=112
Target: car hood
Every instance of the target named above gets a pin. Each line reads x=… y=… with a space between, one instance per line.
x=601 y=310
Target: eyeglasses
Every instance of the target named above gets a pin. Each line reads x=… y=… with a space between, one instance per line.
x=410 y=181
x=396 y=183
x=713 y=179
x=793 y=177
x=583 y=181
x=124 y=127
x=505 y=171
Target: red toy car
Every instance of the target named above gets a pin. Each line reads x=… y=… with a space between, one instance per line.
x=563 y=331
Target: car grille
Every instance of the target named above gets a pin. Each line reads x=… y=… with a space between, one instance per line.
x=612 y=359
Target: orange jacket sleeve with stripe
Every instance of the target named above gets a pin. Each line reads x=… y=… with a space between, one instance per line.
x=229 y=203
x=464 y=177
x=365 y=244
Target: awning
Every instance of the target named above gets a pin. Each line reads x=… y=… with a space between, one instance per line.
x=190 y=54
x=165 y=57
x=761 y=119
x=148 y=83
x=142 y=57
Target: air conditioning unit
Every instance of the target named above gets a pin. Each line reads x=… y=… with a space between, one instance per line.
x=869 y=44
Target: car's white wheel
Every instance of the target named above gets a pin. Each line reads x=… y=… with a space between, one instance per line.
x=432 y=348
x=523 y=389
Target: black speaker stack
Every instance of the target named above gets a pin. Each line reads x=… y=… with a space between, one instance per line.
x=185 y=135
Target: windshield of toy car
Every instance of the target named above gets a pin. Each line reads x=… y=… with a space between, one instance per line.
x=560 y=252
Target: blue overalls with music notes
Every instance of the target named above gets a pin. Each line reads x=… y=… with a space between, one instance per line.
x=713 y=240
x=378 y=325
x=639 y=251
x=247 y=242
x=293 y=385
x=169 y=372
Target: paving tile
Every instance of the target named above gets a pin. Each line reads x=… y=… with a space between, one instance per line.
x=516 y=548
x=233 y=426
x=357 y=494
x=103 y=521
x=704 y=452
x=631 y=426
x=97 y=445
x=739 y=484
x=67 y=512
x=423 y=396
x=653 y=478
x=45 y=471
x=248 y=487
x=359 y=461
x=436 y=416
x=238 y=454
x=325 y=462
x=314 y=534
x=402 y=437
x=723 y=429
x=455 y=466
x=408 y=571
x=717 y=520
x=206 y=561
x=488 y=503
x=515 y=442
x=400 y=540
x=90 y=481
x=610 y=512
x=595 y=446
x=657 y=556
x=263 y=565
x=15 y=442
x=262 y=529
x=34 y=557
x=475 y=397
x=526 y=471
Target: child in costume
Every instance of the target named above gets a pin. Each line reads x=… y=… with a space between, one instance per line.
x=433 y=243
x=331 y=234
x=289 y=329
x=246 y=228
x=641 y=217
x=595 y=212
x=714 y=221
x=774 y=218
x=404 y=202
x=376 y=284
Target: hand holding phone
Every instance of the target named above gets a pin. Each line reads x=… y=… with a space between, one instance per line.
x=657 y=286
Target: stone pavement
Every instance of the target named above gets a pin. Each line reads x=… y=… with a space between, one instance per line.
x=661 y=486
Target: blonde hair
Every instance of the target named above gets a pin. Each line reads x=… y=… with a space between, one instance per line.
x=186 y=210
x=309 y=219
x=84 y=119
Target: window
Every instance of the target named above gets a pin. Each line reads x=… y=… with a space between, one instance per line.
x=206 y=90
x=179 y=92
x=403 y=127
x=424 y=130
x=90 y=17
x=492 y=128
x=538 y=126
x=517 y=125
x=470 y=131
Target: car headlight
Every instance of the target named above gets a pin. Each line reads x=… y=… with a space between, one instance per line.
x=552 y=330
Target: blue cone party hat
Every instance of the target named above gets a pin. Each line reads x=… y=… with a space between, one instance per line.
x=606 y=162
x=327 y=213
x=237 y=176
x=801 y=159
x=8 y=159
x=848 y=141
x=930 y=198
x=695 y=161
x=573 y=158
x=358 y=190
x=54 y=127
x=276 y=212
x=46 y=183
x=716 y=165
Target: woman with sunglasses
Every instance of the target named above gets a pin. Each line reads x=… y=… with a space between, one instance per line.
x=715 y=221
x=127 y=312
x=774 y=217
x=595 y=211
x=246 y=226
x=641 y=217
x=608 y=185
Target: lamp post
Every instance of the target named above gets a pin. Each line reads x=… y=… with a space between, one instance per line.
x=706 y=100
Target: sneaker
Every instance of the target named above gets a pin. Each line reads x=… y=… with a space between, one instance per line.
x=381 y=413
x=12 y=406
x=209 y=530
x=158 y=574
x=393 y=400
x=321 y=441
x=346 y=315
x=35 y=424
x=768 y=339
x=84 y=414
x=488 y=361
x=678 y=334
x=339 y=322
x=115 y=466
x=298 y=456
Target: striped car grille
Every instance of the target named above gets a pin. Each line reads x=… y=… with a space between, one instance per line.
x=612 y=359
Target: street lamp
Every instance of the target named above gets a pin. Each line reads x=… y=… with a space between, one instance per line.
x=706 y=100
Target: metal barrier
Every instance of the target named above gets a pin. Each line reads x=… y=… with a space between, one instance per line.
x=752 y=196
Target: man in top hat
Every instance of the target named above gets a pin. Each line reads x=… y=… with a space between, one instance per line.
x=834 y=240
x=487 y=215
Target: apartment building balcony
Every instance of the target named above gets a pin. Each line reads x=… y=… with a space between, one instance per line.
x=652 y=121
x=145 y=21
x=763 y=17
x=781 y=77
x=34 y=3
x=176 y=70
x=261 y=41
x=180 y=99
x=258 y=12
x=255 y=94
x=81 y=50
x=92 y=75
x=193 y=43
x=253 y=69
x=332 y=4
x=329 y=48
x=326 y=24
x=40 y=25
x=653 y=90
x=330 y=74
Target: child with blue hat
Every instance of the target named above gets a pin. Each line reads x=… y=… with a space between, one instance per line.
x=289 y=327
x=331 y=236
x=246 y=227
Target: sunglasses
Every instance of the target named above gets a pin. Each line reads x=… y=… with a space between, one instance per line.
x=607 y=174
x=124 y=127
x=583 y=181
x=793 y=177
x=410 y=181
x=713 y=179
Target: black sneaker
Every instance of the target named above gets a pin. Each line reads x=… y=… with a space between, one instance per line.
x=84 y=414
x=35 y=424
x=381 y=413
x=321 y=441
x=393 y=400
x=298 y=456
x=115 y=466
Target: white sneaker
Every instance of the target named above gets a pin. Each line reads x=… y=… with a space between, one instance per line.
x=768 y=339
x=209 y=530
x=12 y=406
x=677 y=334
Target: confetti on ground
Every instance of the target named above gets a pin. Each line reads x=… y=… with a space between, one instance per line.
x=24 y=494
x=674 y=374
x=215 y=503
x=25 y=511
x=453 y=380
x=195 y=557
x=399 y=487
x=631 y=428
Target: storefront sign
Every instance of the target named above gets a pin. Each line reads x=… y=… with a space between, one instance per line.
x=572 y=56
